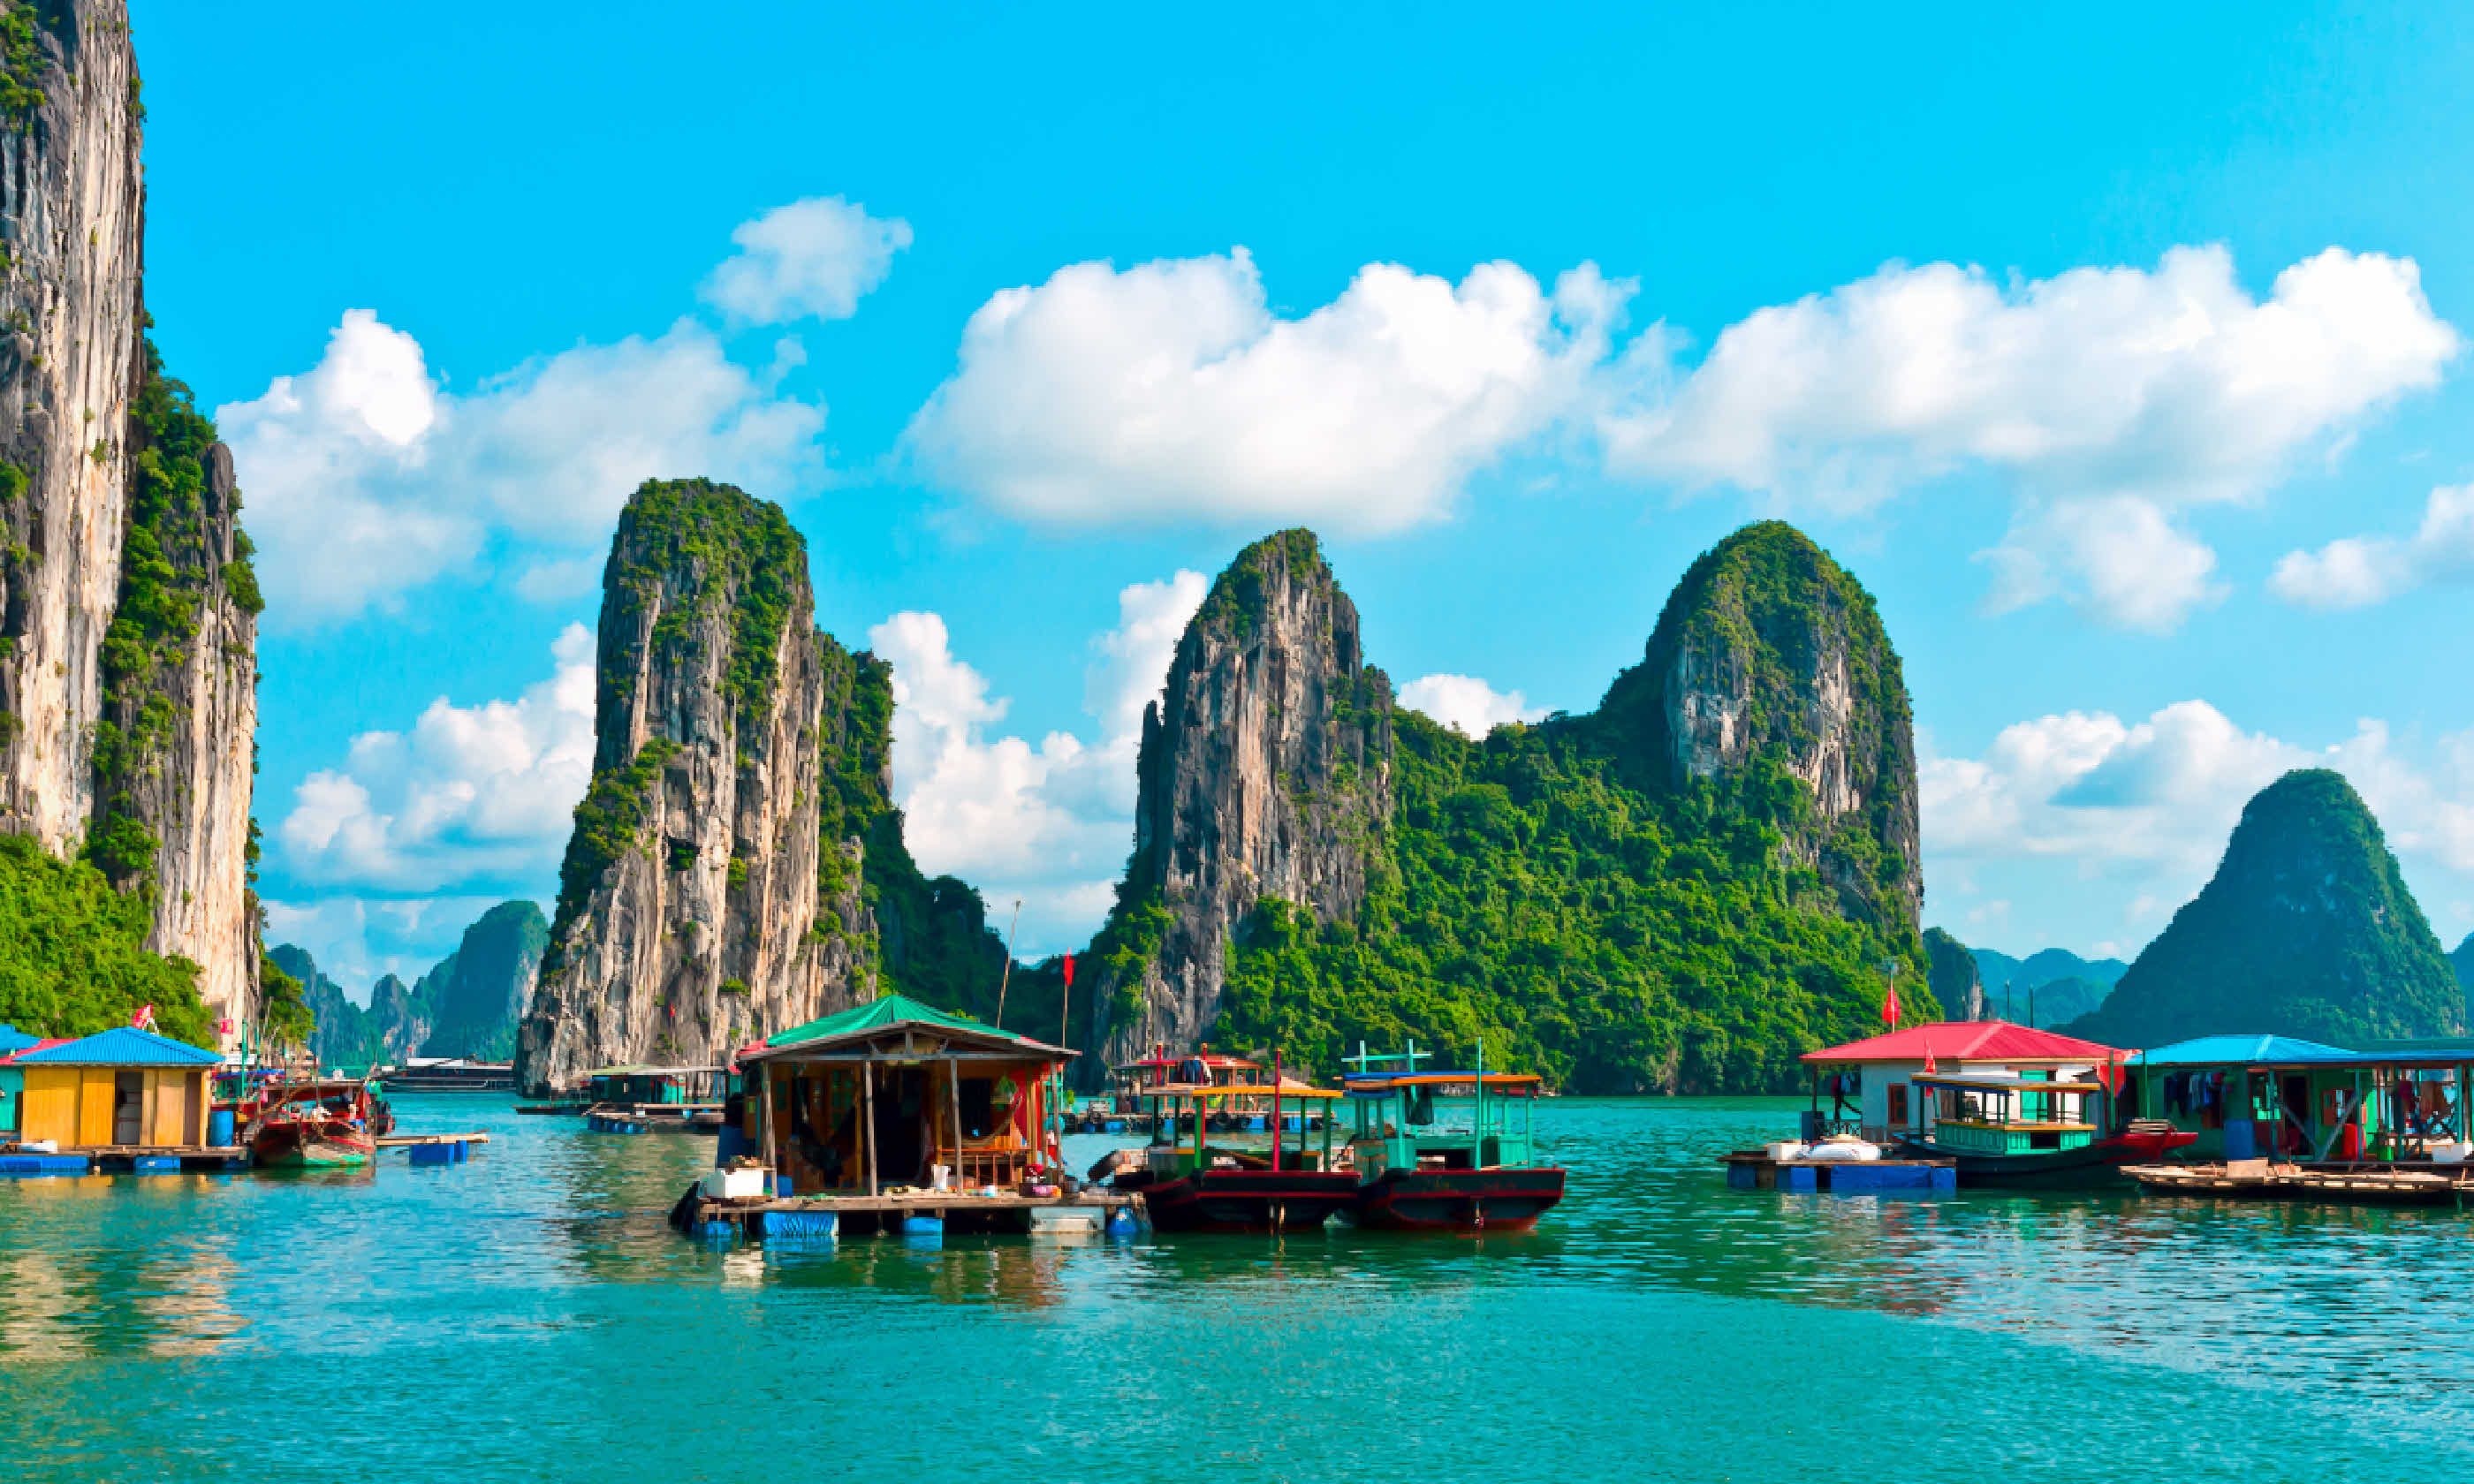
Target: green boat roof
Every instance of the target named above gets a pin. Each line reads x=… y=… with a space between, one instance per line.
x=889 y=1011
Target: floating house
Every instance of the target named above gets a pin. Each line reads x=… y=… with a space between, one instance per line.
x=1867 y=1088
x=879 y=1096
x=120 y=1094
x=2256 y=1096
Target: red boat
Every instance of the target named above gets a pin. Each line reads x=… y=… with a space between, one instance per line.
x=317 y=1123
x=1191 y=1182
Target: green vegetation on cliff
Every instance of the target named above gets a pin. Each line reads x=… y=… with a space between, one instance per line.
x=609 y=823
x=73 y=957
x=1616 y=940
x=2307 y=929
x=171 y=564
x=732 y=544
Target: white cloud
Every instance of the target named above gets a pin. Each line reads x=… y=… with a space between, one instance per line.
x=2147 y=808
x=1467 y=705
x=1050 y=825
x=2112 y=394
x=469 y=795
x=1171 y=390
x=817 y=256
x=366 y=479
x=2360 y=570
x=2120 y=558
x=2109 y=379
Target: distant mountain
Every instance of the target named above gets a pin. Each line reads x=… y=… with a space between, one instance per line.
x=467 y=1005
x=2004 y=974
x=345 y=1035
x=472 y=1001
x=2307 y=929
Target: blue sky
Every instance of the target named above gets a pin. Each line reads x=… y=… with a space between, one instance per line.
x=2035 y=322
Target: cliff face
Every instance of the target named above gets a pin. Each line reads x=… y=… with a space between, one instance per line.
x=1265 y=771
x=690 y=897
x=73 y=222
x=477 y=994
x=128 y=631
x=1957 y=984
x=399 y=1019
x=1769 y=661
x=2307 y=929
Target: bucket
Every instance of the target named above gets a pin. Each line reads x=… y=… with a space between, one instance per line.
x=942 y=1179
x=219 y=1128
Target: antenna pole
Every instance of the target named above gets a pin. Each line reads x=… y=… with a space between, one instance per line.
x=1008 y=976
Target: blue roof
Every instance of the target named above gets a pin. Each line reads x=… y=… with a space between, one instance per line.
x=2243 y=1050
x=125 y=1046
x=12 y=1038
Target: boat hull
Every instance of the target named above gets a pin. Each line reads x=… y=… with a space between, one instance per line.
x=312 y=1149
x=2089 y=1164
x=1495 y=1200
x=1247 y=1200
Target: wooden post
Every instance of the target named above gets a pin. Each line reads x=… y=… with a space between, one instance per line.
x=953 y=1104
x=1275 y=1111
x=764 y=1107
x=867 y=1119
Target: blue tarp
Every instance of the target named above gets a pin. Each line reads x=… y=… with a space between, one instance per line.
x=2244 y=1051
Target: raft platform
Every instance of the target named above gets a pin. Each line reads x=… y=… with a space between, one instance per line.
x=1752 y=1169
x=126 y=1159
x=926 y=1213
x=2352 y=1183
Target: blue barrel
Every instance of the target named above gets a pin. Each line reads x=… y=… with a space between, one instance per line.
x=922 y=1225
x=219 y=1128
x=732 y=1143
x=155 y=1165
x=1120 y=1222
x=2239 y=1144
x=781 y=1186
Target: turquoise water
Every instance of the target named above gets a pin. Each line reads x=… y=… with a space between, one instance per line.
x=528 y=1315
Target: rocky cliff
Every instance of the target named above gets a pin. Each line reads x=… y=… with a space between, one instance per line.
x=476 y=995
x=2307 y=929
x=72 y=216
x=1678 y=892
x=695 y=880
x=1769 y=663
x=128 y=609
x=1951 y=970
x=1265 y=771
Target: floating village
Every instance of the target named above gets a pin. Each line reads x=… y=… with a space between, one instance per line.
x=897 y=1119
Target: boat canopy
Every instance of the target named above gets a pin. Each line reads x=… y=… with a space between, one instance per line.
x=1286 y=1091
x=1377 y=1083
x=2000 y=1082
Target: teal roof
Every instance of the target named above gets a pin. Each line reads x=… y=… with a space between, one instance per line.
x=124 y=1046
x=2244 y=1051
x=12 y=1038
x=891 y=1011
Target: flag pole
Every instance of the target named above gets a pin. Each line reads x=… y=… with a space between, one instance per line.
x=1008 y=976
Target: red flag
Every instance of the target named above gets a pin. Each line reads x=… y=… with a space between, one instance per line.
x=143 y=1019
x=1928 y=1056
x=1890 y=1006
x=1069 y=970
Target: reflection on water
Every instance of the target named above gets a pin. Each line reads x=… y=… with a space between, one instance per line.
x=519 y=1285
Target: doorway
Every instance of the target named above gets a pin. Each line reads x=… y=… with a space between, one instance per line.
x=901 y=1104
x=129 y=1108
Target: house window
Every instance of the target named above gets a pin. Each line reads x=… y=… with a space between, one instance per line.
x=1898 y=1103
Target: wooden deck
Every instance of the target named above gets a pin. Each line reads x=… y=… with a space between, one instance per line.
x=2355 y=1183
x=859 y=1215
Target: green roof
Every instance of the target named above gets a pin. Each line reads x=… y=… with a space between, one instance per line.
x=890 y=1011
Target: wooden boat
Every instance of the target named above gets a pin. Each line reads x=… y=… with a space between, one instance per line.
x=2347 y=1183
x=1436 y=1151
x=2233 y=1180
x=1239 y=1182
x=317 y=1123
x=2003 y=1129
x=450 y=1074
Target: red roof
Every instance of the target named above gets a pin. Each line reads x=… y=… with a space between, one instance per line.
x=1968 y=1040
x=44 y=1044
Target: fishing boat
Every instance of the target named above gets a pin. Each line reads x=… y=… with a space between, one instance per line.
x=1191 y=1181
x=1439 y=1151
x=2008 y=1129
x=316 y=1122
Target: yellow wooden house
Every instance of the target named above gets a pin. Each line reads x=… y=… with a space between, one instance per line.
x=123 y=1089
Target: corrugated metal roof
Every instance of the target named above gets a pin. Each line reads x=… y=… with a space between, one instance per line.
x=1968 y=1040
x=12 y=1038
x=2243 y=1050
x=897 y=1010
x=124 y=1045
